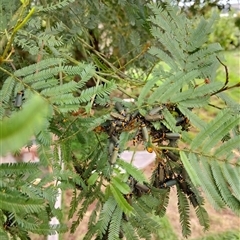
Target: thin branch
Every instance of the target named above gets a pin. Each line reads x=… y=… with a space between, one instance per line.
x=226 y=88
x=226 y=72
x=195 y=152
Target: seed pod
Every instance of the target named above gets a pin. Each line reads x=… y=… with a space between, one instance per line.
x=117 y=116
x=114 y=155
x=142 y=187
x=155 y=110
x=18 y=99
x=173 y=136
x=170 y=183
x=144 y=132
x=154 y=118
x=120 y=109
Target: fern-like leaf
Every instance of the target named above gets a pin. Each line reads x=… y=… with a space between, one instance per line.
x=6 y=89
x=232 y=177
x=184 y=211
x=194 y=119
x=172 y=86
x=106 y=215
x=115 y=223
x=132 y=171
x=53 y=7
x=129 y=231
x=11 y=203
x=44 y=64
x=58 y=90
x=227 y=147
x=219 y=121
x=203 y=217
x=220 y=132
x=224 y=190
x=122 y=202
x=163 y=202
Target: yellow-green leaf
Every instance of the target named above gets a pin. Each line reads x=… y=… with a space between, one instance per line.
x=122 y=202
x=16 y=130
x=122 y=186
x=93 y=178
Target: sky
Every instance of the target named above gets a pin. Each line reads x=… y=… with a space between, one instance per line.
x=232 y=1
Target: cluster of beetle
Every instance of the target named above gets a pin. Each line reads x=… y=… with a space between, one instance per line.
x=169 y=171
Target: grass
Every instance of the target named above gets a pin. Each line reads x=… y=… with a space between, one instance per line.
x=166 y=231
x=229 y=235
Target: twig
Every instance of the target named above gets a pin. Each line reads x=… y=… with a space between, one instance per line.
x=226 y=72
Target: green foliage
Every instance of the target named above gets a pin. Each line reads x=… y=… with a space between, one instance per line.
x=227 y=37
x=76 y=56
x=25 y=202
x=184 y=211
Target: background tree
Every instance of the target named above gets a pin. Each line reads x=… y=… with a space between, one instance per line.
x=82 y=58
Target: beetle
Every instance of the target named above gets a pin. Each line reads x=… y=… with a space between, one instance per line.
x=155 y=110
x=172 y=136
x=142 y=187
x=121 y=235
x=112 y=128
x=167 y=172
x=161 y=173
x=193 y=200
x=110 y=148
x=19 y=99
x=171 y=155
x=128 y=197
x=119 y=107
x=114 y=139
x=144 y=132
x=183 y=185
x=134 y=114
x=169 y=183
x=154 y=118
x=114 y=155
x=117 y=116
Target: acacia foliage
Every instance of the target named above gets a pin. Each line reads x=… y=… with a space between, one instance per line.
x=175 y=76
